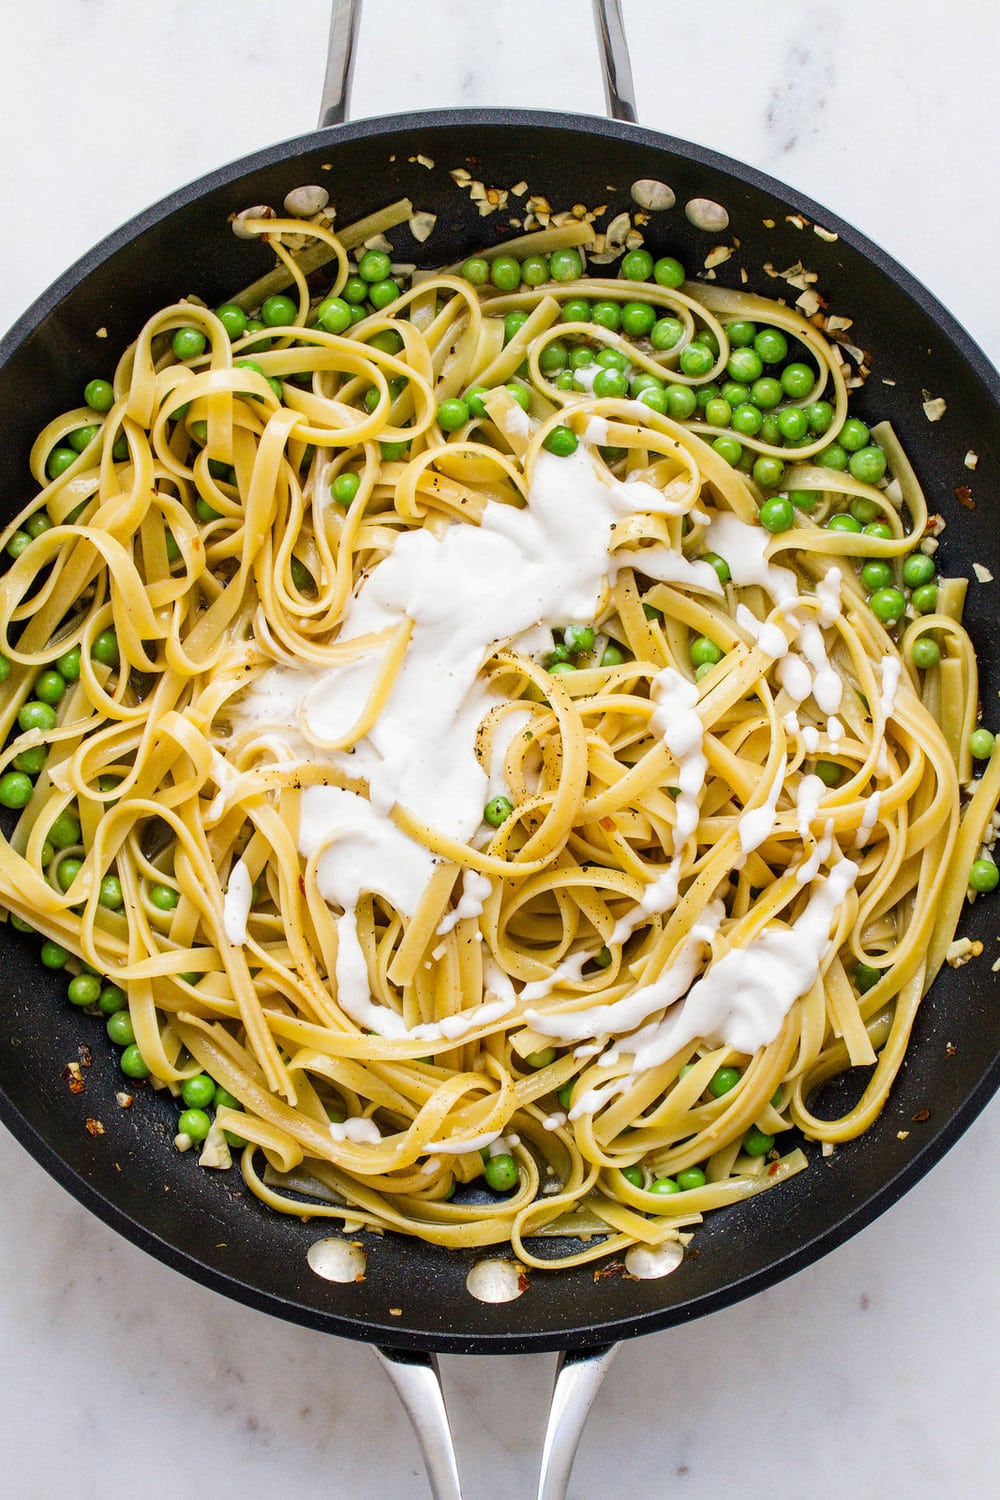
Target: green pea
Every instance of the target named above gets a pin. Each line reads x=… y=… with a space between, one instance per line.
x=766 y=393
x=681 y=402
x=983 y=875
x=163 y=897
x=582 y=356
x=105 y=649
x=666 y=333
x=133 y=1064
x=769 y=472
x=867 y=464
x=722 y=1080
x=119 y=1028
x=541 y=1059
x=565 y=264
x=535 y=270
x=887 y=605
x=770 y=432
x=607 y=315
x=36 y=715
x=64 y=831
x=334 y=315
x=876 y=574
x=820 y=415
x=690 y=1177
x=729 y=448
x=561 y=668
x=829 y=772
x=505 y=273
x=614 y=656
x=278 y=311
x=112 y=1000
x=744 y=366
x=344 y=487
x=696 y=360
x=194 y=1123
x=702 y=650
x=735 y=393
x=497 y=811
x=610 y=383
x=797 y=380
x=747 y=419
x=383 y=292
x=925 y=598
x=562 y=441
x=565 y=1094
x=638 y=319
x=82 y=438
x=853 y=436
x=452 y=414
x=613 y=359
x=863 y=509
x=66 y=872
x=741 y=333
x=844 y=521
x=793 y=424
x=59 y=461
x=50 y=687
x=501 y=1172
x=519 y=394
x=233 y=319
x=757 y=1142
x=718 y=412
x=513 y=323
x=553 y=357
x=652 y=613
x=84 y=989
x=655 y=397
x=31 y=760
x=981 y=744
x=719 y=564
x=19 y=542
x=477 y=270
x=803 y=499
x=918 y=569
x=4 y=668
x=577 y=638
x=54 y=955
x=865 y=977
x=778 y=513
x=354 y=291
x=669 y=272
x=772 y=345
x=99 y=395
x=635 y=1175
x=374 y=265
x=111 y=893
x=188 y=343
x=925 y=652
x=637 y=265
x=664 y=1186
x=15 y=789
x=393 y=452
x=576 y=310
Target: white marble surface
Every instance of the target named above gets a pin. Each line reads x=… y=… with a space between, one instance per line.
x=875 y=1370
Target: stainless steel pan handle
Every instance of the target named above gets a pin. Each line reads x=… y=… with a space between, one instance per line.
x=345 y=20
x=416 y=1376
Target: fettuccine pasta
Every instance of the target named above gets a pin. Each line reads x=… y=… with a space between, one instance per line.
x=494 y=743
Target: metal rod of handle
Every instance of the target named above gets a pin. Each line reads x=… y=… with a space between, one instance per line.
x=619 y=89
x=578 y=1379
x=417 y=1382
x=345 y=19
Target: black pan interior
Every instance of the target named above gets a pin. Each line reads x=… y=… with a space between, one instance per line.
x=414 y=1296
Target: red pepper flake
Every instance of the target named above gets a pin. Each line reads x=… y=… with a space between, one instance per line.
x=613 y=1268
x=921 y=1116
x=86 y=1056
x=94 y=1127
x=71 y=1073
x=523 y=1281
x=964 y=497
x=774 y=1169
x=608 y=824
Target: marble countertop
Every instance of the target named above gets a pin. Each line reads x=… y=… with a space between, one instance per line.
x=874 y=1370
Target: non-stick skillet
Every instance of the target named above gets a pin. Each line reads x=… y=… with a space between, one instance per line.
x=739 y=1252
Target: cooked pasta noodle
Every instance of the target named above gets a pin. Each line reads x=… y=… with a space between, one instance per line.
x=278 y=632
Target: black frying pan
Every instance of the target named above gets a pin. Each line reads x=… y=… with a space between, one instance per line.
x=223 y=1237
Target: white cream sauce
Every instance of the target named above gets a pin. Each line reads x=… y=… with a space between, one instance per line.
x=236 y=904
